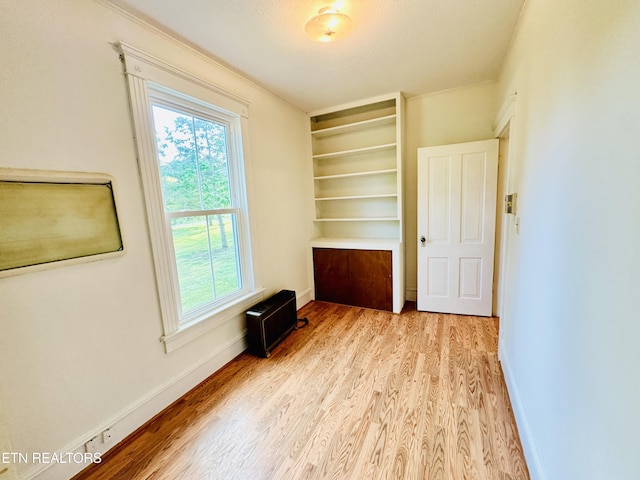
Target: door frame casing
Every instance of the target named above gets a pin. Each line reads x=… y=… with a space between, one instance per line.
x=503 y=130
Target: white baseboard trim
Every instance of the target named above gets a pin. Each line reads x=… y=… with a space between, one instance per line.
x=531 y=454
x=411 y=294
x=303 y=298
x=139 y=412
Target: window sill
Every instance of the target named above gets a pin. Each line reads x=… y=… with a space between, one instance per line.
x=211 y=320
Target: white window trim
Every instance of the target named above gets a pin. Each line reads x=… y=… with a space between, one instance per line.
x=141 y=70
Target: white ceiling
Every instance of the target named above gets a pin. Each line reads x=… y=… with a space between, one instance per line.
x=413 y=46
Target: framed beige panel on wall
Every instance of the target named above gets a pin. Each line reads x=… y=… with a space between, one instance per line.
x=50 y=219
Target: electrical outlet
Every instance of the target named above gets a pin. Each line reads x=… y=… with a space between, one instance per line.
x=107 y=436
x=92 y=445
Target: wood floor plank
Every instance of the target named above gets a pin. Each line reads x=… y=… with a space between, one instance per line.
x=358 y=394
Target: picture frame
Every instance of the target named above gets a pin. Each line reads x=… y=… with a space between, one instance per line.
x=50 y=219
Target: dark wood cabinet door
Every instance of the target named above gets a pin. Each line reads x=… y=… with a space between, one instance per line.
x=370 y=279
x=331 y=273
x=354 y=277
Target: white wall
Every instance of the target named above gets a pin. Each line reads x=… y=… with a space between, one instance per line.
x=79 y=345
x=570 y=336
x=452 y=116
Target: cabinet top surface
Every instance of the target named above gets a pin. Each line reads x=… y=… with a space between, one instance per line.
x=357 y=243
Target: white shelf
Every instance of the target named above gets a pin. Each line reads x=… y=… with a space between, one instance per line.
x=358 y=197
x=357 y=151
x=354 y=127
x=360 y=219
x=357 y=174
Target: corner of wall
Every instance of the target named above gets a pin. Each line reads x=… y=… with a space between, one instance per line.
x=303 y=298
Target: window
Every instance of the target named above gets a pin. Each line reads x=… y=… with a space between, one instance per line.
x=192 y=161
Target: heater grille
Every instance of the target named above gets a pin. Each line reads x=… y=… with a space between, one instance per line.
x=270 y=321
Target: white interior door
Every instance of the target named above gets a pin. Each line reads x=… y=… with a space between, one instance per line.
x=456 y=227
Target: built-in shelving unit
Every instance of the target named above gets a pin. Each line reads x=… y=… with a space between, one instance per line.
x=357 y=168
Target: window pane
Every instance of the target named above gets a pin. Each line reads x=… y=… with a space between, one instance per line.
x=195 y=276
x=193 y=161
x=213 y=163
x=176 y=146
x=207 y=258
x=226 y=262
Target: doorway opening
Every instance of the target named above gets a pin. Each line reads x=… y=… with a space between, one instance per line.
x=501 y=241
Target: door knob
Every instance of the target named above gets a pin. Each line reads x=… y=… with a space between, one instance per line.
x=423 y=240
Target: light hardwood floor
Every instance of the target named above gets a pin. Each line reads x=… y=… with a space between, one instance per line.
x=358 y=394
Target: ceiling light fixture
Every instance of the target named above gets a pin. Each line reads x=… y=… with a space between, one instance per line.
x=328 y=25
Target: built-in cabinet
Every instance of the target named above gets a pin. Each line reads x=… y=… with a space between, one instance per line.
x=354 y=277
x=357 y=168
